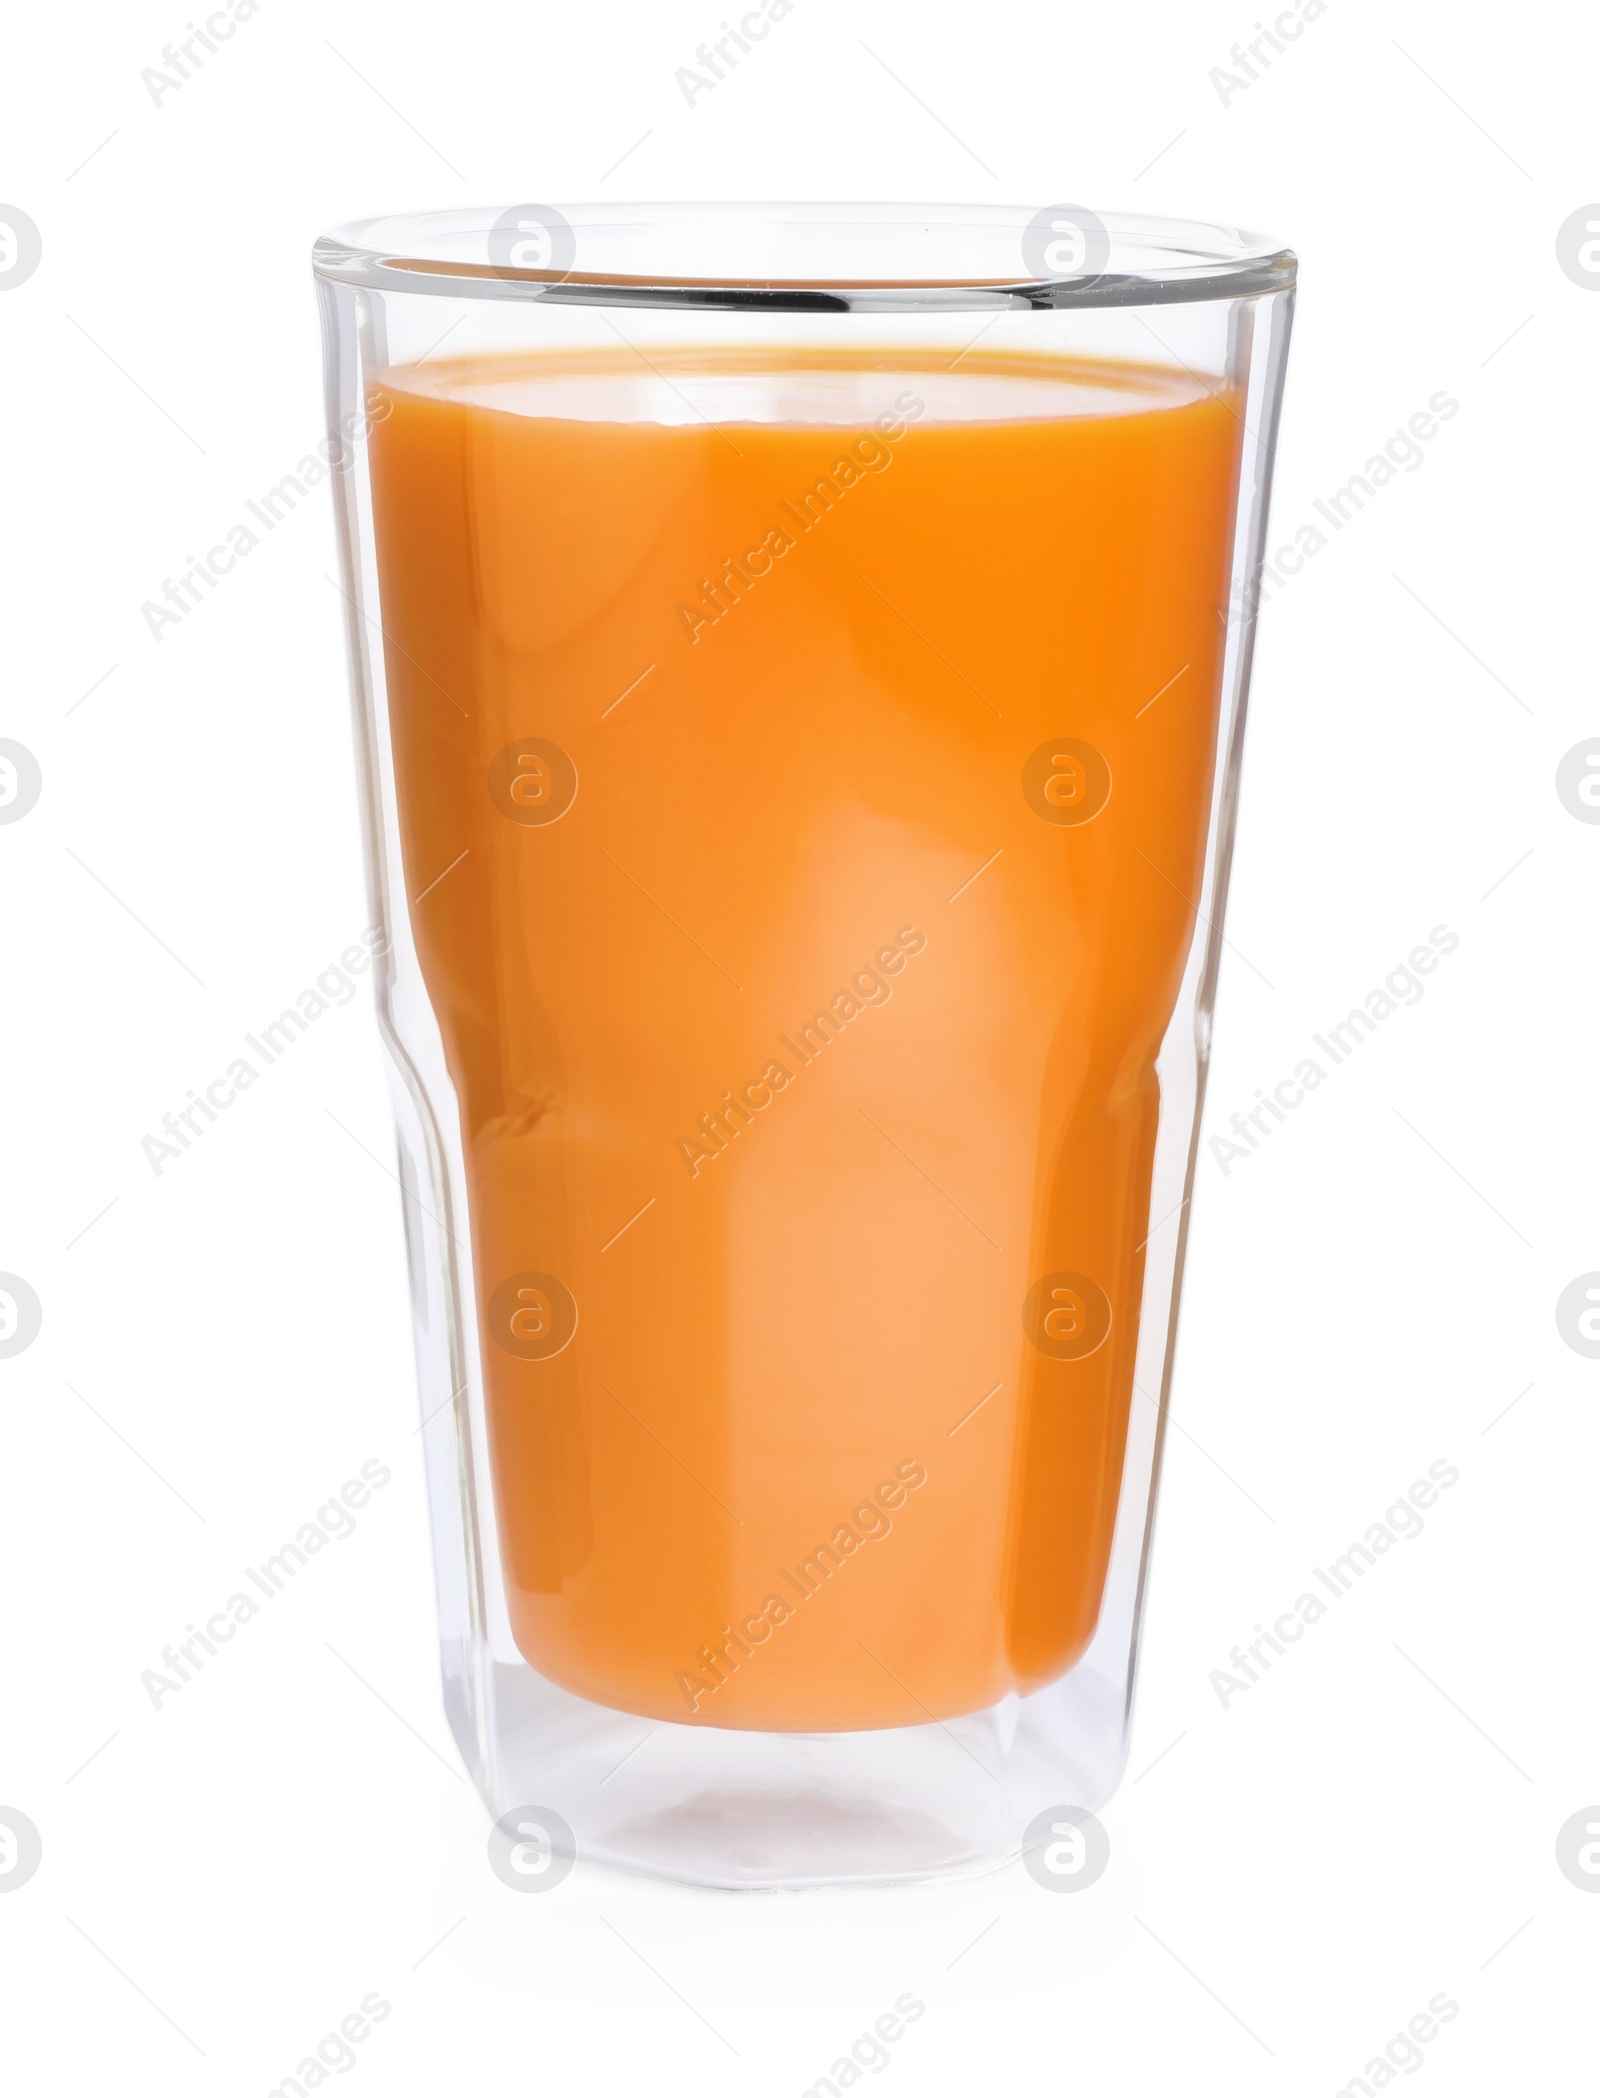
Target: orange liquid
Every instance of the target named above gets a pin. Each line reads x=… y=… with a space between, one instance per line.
x=748 y=1486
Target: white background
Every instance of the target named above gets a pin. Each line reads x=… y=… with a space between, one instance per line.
x=1292 y=1878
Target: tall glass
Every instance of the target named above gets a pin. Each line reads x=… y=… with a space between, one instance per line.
x=800 y=658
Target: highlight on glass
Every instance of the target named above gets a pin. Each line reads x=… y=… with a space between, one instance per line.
x=800 y=657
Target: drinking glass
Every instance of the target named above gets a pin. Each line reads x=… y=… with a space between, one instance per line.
x=800 y=657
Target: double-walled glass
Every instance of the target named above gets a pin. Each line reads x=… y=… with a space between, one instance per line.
x=800 y=660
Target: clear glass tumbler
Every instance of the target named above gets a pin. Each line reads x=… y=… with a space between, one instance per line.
x=800 y=658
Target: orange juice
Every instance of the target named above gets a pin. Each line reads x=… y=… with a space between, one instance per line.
x=804 y=769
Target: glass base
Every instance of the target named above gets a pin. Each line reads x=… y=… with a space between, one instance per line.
x=720 y=1807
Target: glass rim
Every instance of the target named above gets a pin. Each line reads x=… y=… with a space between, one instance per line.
x=822 y=257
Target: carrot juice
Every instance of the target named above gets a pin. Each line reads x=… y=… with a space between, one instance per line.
x=804 y=770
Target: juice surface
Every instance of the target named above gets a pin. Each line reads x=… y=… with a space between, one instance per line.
x=800 y=863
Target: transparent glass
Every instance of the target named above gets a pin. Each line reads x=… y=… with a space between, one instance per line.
x=800 y=657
